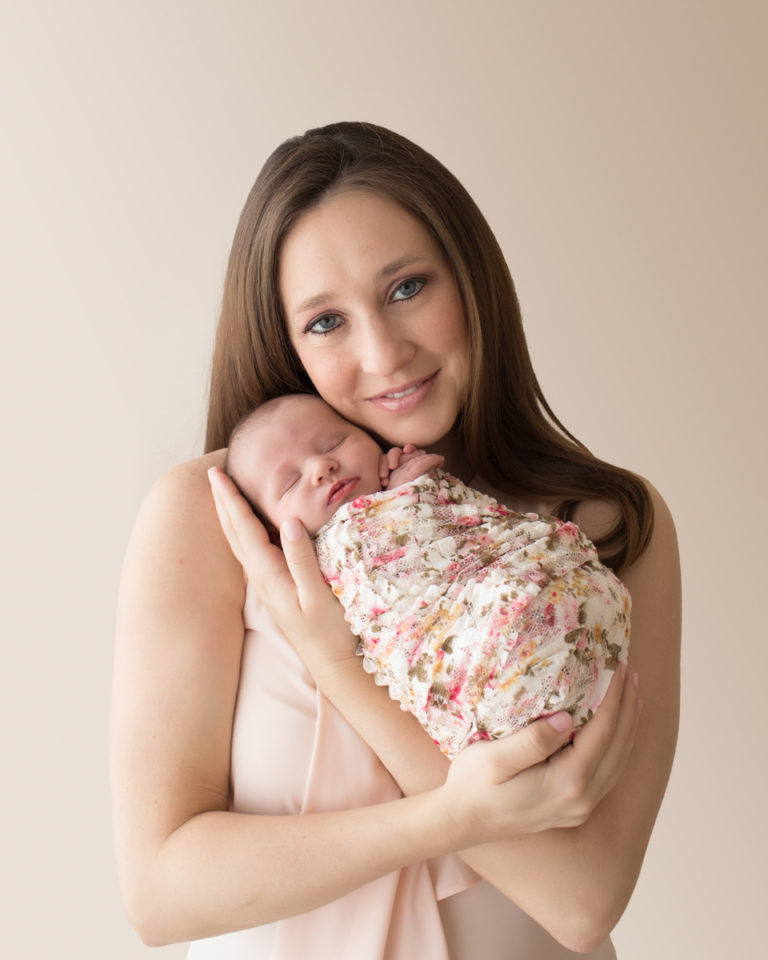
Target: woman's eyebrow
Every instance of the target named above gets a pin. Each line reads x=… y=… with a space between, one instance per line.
x=388 y=270
x=314 y=302
x=397 y=265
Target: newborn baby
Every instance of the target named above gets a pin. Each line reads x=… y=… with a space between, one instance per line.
x=478 y=619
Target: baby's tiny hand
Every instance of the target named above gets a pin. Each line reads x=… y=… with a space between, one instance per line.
x=390 y=461
x=413 y=463
x=384 y=469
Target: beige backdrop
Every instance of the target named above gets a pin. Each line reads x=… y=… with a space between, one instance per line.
x=619 y=149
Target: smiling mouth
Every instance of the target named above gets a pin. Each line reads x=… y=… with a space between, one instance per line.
x=405 y=391
x=341 y=488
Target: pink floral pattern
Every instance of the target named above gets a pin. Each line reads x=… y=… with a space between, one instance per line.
x=478 y=619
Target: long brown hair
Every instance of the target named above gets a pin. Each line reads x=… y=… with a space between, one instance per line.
x=511 y=435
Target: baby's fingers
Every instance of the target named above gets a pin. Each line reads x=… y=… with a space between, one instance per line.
x=383 y=470
x=393 y=457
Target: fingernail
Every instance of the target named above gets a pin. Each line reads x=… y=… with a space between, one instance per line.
x=212 y=475
x=291 y=529
x=561 y=721
x=635 y=678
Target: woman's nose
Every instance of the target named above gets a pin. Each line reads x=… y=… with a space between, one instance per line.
x=383 y=347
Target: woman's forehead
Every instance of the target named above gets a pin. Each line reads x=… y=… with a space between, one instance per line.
x=354 y=236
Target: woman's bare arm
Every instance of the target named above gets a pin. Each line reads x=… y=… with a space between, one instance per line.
x=581 y=879
x=575 y=882
x=189 y=868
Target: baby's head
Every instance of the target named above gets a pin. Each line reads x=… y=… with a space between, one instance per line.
x=294 y=456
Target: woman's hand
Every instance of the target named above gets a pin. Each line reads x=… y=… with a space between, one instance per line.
x=525 y=783
x=288 y=581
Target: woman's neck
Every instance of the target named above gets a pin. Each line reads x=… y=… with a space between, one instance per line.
x=452 y=448
x=456 y=463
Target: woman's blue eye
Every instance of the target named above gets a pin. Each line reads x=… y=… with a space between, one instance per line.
x=326 y=324
x=408 y=289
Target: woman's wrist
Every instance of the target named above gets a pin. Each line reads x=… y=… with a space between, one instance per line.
x=332 y=669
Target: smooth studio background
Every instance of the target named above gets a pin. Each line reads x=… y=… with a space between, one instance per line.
x=618 y=149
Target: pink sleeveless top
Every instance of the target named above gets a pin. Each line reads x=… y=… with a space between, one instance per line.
x=292 y=752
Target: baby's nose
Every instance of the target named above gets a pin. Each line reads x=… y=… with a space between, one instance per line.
x=323 y=468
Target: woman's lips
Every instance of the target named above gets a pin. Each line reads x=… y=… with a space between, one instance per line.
x=406 y=397
x=341 y=489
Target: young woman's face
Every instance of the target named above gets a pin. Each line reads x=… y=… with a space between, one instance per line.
x=374 y=313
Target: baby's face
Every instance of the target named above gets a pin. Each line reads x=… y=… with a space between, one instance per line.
x=303 y=460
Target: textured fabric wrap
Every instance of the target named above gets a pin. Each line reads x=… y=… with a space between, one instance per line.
x=478 y=619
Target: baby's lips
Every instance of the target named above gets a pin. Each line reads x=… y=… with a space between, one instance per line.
x=339 y=485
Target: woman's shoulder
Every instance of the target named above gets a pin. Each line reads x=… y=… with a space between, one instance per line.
x=661 y=558
x=177 y=525
x=598 y=517
x=188 y=479
x=182 y=495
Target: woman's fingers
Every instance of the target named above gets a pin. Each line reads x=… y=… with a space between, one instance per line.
x=247 y=537
x=225 y=497
x=527 y=783
x=533 y=744
x=616 y=756
x=302 y=563
x=601 y=748
x=510 y=755
x=594 y=739
x=319 y=618
x=505 y=785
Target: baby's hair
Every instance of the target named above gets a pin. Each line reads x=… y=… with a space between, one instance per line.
x=249 y=419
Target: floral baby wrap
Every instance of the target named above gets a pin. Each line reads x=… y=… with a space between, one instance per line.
x=477 y=618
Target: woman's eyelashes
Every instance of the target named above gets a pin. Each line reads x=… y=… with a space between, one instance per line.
x=331 y=322
x=408 y=289
x=324 y=325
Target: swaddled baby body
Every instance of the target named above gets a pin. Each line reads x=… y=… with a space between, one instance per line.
x=478 y=619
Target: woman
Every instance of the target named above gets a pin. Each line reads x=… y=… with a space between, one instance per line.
x=363 y=271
